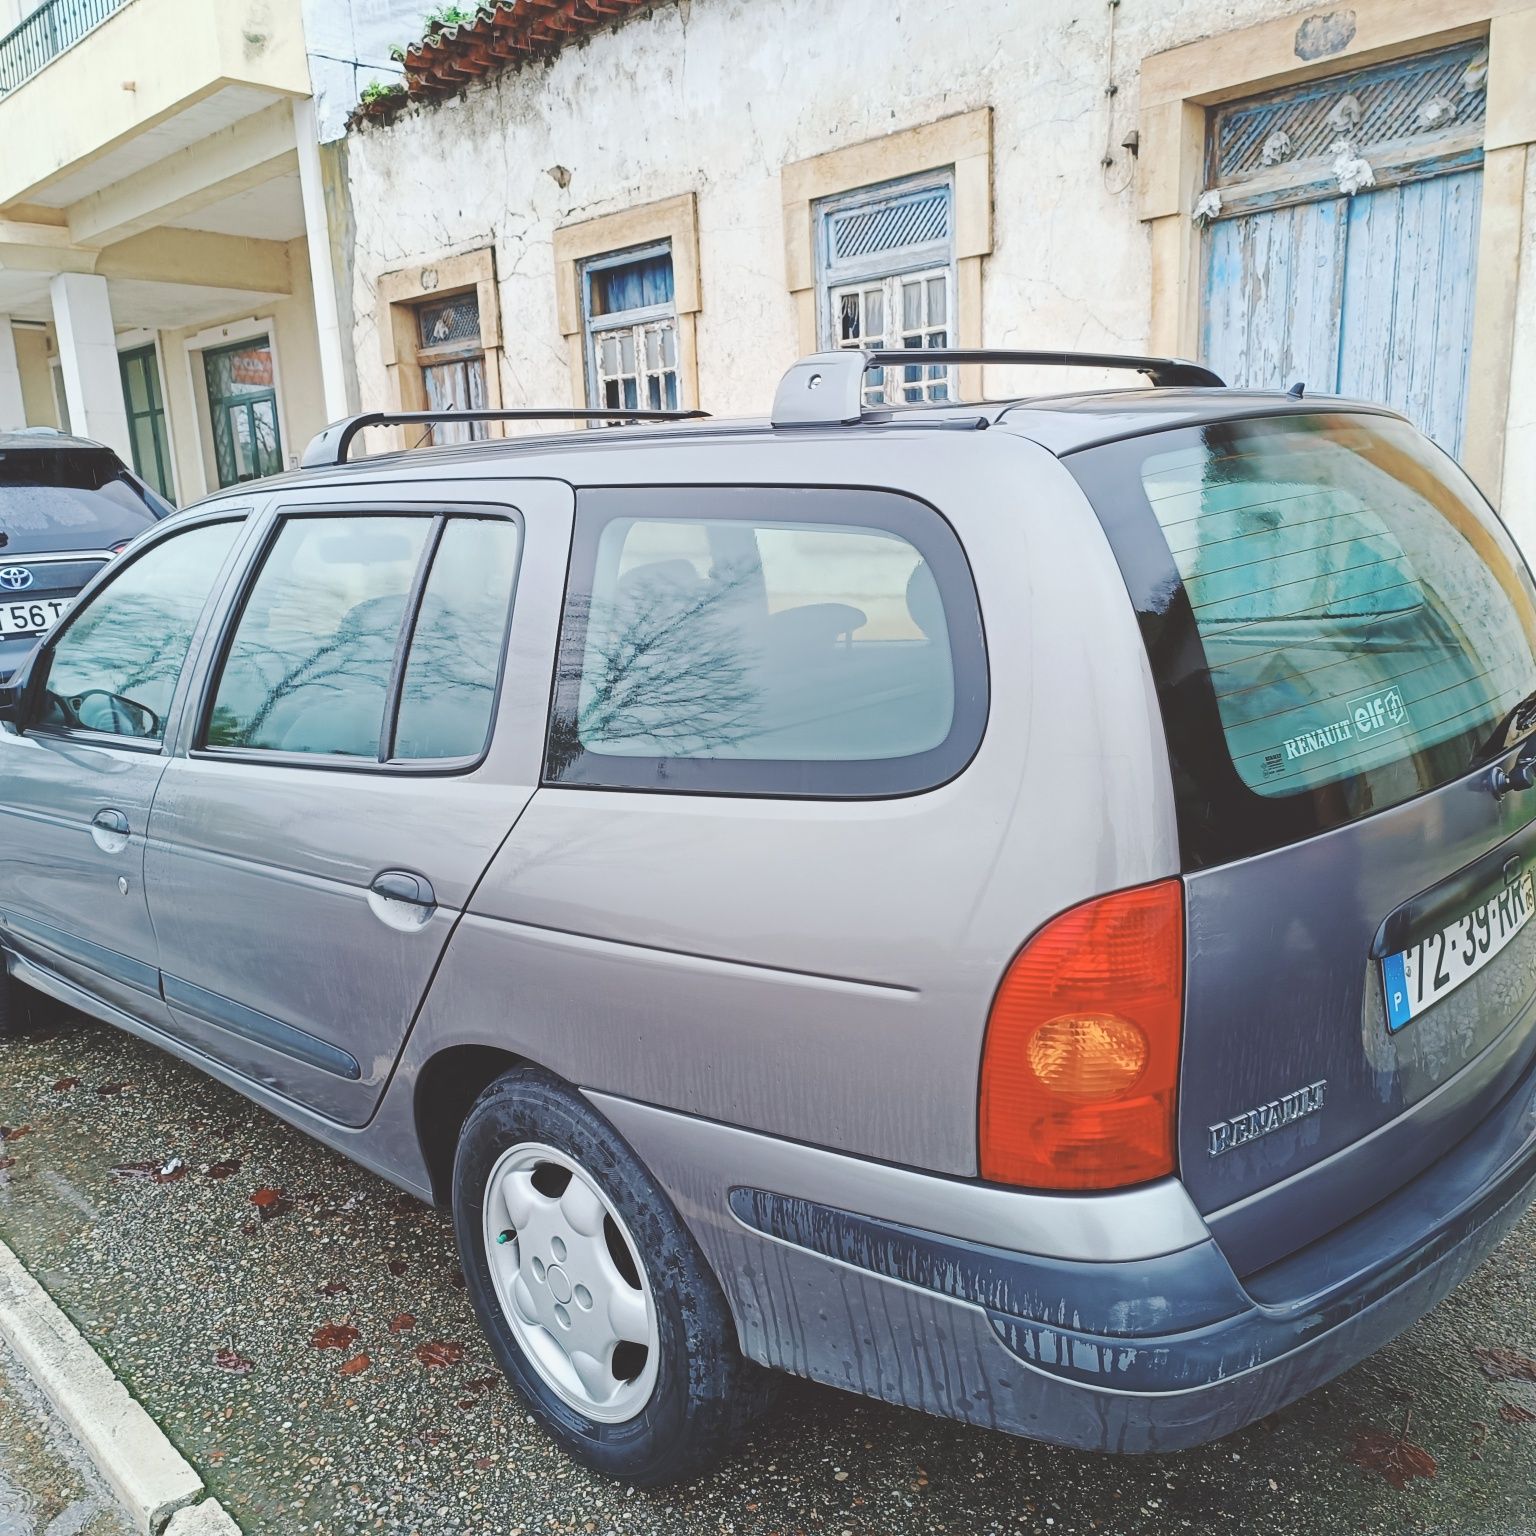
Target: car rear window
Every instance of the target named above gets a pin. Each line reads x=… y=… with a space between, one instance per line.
x=1365 y=628
x=67 y=498
x=766 y=641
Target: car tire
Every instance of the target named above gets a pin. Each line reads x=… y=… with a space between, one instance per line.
x=548 y=1274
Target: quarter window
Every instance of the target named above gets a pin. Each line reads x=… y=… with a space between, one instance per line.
x=887 y=280
x=766 y=642
x=630 y=314
x=115 y=668
x=369 y=638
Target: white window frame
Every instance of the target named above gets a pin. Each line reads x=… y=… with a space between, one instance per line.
x=648 y=319
x=888 y=271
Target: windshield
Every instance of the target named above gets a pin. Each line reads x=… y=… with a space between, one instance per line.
x=1364 y=628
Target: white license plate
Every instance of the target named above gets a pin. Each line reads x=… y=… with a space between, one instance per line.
x=1416 y=979
x=19 y=620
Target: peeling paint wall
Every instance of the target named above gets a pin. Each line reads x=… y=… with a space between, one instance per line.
x=1519 y=499
x=714 y=97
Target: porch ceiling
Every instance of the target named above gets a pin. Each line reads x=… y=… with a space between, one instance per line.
x=135 y=302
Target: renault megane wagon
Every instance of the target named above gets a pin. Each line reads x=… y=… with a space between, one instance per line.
x=1022 y=910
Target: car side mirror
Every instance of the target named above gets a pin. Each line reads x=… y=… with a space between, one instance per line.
x=12 y=697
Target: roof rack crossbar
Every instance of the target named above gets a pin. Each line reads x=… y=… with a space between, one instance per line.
x=329 y=448
x=827 y=388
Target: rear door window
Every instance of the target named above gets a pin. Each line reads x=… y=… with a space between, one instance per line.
x=1337 y=619
x=773 y=641
x=369 y=638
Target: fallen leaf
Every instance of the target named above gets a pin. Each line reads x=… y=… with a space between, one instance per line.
x=355 y=1366
x=13 y=1132
x=440 y=1352
x=484 y=1383
x=270 y=1203
x=223 y=1169
x=401 y=1322
x=233 y=1361
x=456 y=1278
x=398 y=1267
x=64 y=1084
x=465 y=1404
x=332 y=1288
x=7 y=1162
x=1398 y=1461
x=1516 y=1413
x=1500 y=1364
x=333 y=1336
x=110 y=1090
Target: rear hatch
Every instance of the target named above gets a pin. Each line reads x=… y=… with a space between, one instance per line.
x=1343 y=638
x=64 y=510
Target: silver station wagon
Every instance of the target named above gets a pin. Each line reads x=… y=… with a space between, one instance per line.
x=1021 y=910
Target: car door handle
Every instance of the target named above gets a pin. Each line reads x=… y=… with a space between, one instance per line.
x=110 y=829
x=396 y=885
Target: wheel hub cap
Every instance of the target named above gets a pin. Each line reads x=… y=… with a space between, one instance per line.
x=570 y=1282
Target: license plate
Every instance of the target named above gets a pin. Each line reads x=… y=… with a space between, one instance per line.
x=1416 y=979
x=20 y=620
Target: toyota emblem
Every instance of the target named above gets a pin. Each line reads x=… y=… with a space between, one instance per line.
x=15 y=578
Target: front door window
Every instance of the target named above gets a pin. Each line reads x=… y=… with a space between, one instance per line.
x=242 y=401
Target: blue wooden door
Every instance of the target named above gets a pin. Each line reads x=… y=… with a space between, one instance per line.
x=1368 y=295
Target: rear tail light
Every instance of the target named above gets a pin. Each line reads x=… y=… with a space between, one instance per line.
x=1080 y=1070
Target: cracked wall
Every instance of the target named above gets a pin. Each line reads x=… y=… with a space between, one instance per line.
x=714 y=97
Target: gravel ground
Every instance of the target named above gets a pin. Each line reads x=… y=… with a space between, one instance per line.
x=47 y=1488
x=213 y=1289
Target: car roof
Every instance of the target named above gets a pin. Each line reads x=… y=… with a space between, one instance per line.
x=1061 y=423
x=46 y=438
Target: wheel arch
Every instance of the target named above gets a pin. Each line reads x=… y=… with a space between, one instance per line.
x=446 y=1088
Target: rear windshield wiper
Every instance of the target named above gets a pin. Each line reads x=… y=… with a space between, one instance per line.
x=1515 y=726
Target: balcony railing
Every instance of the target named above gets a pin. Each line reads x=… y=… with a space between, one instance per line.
x=54 y=26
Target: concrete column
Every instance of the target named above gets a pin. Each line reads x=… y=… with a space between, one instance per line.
x=93 y=384
x=13 y=410
x=322 y=280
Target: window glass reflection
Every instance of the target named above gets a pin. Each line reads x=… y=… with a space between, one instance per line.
x=309 y=666
x=115 y=668
x=450 y=676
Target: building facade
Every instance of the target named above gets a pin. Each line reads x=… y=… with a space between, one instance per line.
x=166 y=264
x=666 y=203
x=663 y=202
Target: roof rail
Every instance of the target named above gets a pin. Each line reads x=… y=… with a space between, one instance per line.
x=827 y=388
x=329 y=447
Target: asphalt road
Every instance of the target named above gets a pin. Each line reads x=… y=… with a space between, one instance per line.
x=214 y=1307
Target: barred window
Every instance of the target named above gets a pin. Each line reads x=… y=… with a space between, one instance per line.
x=630 y=318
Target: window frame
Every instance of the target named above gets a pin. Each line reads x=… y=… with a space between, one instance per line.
x=877 y=508
x=886 y=269
x=41 y=662
x=632 y=320
x=439 y=514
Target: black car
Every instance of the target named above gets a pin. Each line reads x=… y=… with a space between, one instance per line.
x=67 y=505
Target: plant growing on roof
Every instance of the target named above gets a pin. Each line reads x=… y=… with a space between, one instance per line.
x=380 y=90
x=444 y=16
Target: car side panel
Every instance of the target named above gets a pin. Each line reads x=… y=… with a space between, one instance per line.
x=823 y=970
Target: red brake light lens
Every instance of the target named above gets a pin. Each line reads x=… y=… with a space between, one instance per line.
x=1079 y=1075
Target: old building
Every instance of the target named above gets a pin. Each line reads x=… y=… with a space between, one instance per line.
x=597 y=200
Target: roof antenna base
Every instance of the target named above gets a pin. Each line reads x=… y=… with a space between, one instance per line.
x=1297 y=390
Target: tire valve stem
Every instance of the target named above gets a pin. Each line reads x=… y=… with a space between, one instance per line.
x=506 y=1237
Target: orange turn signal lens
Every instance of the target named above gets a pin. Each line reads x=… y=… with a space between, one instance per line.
x=1080 y=1071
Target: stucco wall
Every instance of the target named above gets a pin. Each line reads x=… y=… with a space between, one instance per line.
x=32 y=355
x=1519 y=499
x=715 y=96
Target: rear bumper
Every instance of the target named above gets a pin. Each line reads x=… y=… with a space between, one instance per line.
x=1151 y=1353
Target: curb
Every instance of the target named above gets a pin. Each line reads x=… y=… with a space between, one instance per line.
x=156 y=1484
